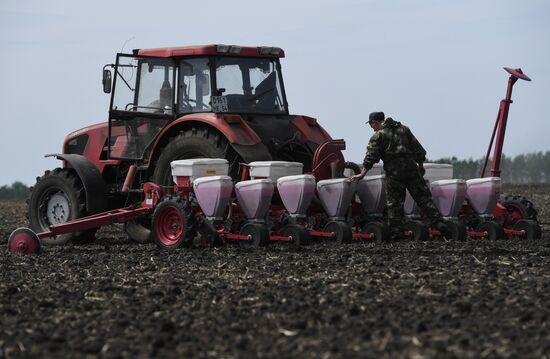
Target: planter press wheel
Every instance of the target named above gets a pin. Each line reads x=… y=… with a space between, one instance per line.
x=259 y=235
x=420 y=232
x=457 y=229
x=531 y=228
x=299 y=234
x=342 y=231
x=168 y=224
x=380 y=230
x=24 y=241
x=493 y=229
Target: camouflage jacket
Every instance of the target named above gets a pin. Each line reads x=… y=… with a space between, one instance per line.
x=393 y=141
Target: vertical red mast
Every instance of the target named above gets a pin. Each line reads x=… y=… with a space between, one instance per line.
x=500 y=125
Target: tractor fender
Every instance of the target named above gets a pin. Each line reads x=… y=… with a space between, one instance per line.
x=240 y=136
x=91 y=178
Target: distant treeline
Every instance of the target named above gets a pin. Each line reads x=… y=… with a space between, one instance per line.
x=528 y=168
x=16 y=191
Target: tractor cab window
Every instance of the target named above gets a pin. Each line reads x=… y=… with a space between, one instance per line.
x=142 y=104
x=249 y=85
x=144 y=85
x=194 y=86
x=156 y=88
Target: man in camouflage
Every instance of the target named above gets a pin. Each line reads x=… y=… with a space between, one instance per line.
x=403 y=158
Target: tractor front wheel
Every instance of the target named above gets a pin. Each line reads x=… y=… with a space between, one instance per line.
x=58 y=197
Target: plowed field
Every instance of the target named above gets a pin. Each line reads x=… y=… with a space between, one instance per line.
x=114 y=298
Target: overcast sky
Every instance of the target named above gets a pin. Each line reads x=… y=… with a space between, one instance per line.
x=435 y=65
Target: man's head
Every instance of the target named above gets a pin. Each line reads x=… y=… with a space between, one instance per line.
x=375 y=120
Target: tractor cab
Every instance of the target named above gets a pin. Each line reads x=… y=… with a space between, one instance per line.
x=152 y=88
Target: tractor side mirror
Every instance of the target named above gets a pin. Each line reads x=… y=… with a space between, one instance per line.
x=106 y=81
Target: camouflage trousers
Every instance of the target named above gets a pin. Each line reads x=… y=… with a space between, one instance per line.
x=401 y=175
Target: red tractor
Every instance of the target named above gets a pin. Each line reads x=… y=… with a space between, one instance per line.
x=214 y=101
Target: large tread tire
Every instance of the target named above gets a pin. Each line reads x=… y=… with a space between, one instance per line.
x=169 y=226
x=519 y=207
x=64 y=185
x=197 y=142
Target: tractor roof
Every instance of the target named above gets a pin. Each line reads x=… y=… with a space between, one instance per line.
x=222 y=50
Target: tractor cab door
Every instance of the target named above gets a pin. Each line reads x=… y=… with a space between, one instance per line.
x=142 y=103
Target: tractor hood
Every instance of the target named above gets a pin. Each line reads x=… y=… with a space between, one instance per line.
x=88 y=141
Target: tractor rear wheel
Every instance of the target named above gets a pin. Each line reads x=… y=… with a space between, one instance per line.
x=194 y=143
x=58 y=197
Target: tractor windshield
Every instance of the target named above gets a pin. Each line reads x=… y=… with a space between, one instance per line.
x=242 y=85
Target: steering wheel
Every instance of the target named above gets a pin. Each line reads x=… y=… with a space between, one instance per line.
x=187 y=103
x=261 y=94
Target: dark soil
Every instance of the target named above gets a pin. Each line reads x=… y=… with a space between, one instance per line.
x=114 y=298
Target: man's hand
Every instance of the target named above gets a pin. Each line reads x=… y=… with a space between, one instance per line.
x=358 y=176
